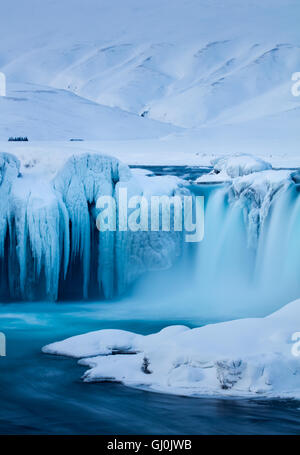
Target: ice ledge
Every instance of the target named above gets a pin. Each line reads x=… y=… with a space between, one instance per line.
x=246 y=357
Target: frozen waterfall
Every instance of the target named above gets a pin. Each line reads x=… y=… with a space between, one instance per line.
x=49 y=244
x=249 y=261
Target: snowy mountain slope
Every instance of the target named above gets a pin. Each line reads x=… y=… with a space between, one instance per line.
x=44 y=113
x=192 y=63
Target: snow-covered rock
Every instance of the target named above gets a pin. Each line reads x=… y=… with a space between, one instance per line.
x=239 y=165
x=228 y=167
x=246 y=357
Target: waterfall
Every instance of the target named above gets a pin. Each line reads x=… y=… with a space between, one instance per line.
x=235 y=276
x=247 y=264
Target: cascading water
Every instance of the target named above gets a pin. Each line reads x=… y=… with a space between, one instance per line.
x=236 y=276
x=248 y=263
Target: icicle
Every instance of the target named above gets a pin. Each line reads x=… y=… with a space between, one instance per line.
x=9 y=170
x=52 y=228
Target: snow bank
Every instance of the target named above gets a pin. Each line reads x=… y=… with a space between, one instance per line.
x=247 y=357
x=49 y=243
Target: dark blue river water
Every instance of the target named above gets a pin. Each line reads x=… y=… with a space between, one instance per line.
x=41 y=394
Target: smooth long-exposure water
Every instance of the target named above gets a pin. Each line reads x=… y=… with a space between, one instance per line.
x=42 y=394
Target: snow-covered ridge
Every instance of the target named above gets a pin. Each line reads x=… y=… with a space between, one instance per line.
x=46 y=114
x=49 y=244
x=207 y=62
x=222 y=70
x=246 y=357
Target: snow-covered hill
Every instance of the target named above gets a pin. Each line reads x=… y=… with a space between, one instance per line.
x=207 y=65
x=45 y=113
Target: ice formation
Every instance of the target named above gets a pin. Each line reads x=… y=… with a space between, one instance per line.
x=255 y=193
x=248 y=262
x=253 y=185
x=49 y=244
x=246 y=357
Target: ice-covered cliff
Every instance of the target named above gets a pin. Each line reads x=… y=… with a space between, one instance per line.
x=50 y=246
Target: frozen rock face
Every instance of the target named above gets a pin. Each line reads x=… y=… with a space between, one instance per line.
x=50 y=246
x=239 y=165
x=255 y=193
x=246 y=357
x=252 y=184
x=229 y=167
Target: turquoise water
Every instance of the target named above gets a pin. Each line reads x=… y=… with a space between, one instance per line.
x=42 y=394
